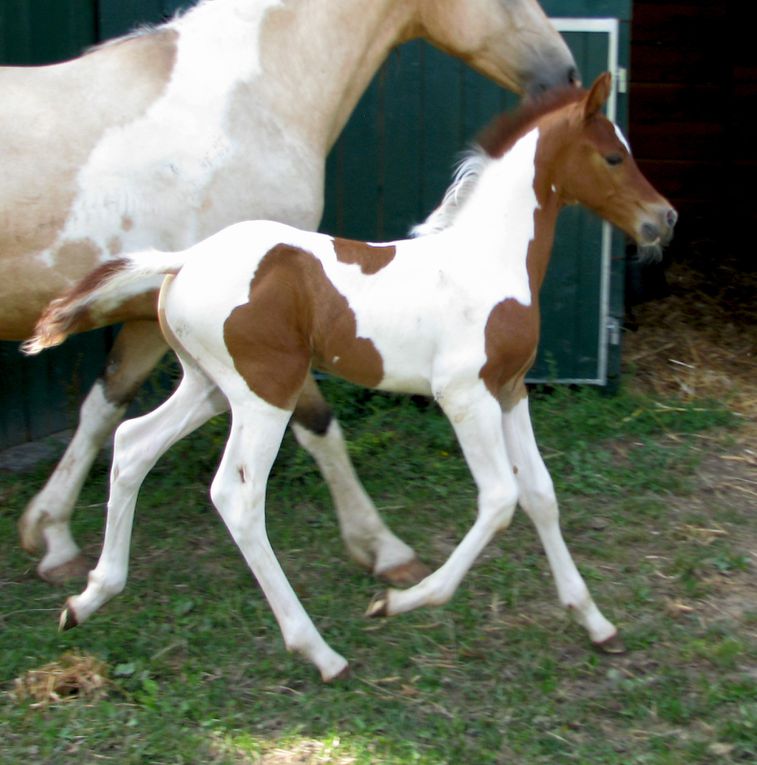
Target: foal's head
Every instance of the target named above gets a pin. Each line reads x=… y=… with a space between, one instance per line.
x=593 y=165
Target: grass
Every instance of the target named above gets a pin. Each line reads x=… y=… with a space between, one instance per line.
x=197 y=669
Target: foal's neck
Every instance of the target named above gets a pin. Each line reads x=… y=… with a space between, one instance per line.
x=511 y=214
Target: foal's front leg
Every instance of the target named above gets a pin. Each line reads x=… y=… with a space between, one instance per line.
x=238 y=492
x=475 y=417
x=537 y=498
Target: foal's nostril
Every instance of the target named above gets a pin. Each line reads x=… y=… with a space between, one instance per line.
x=671 y=216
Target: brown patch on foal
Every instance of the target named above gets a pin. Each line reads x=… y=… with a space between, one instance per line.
x=510 y=339
x=296 y=316
x=370 y=257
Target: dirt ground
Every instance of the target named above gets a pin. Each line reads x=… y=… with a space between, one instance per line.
x=701 y=341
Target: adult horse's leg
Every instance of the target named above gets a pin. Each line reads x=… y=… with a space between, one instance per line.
x=238 y=491
x=475 y=419
x=368 y=539
x=45 y=522
x=138 y=445
x=537 y=498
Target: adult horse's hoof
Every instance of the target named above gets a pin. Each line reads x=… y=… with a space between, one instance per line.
x=405 y=574
x=612 y=645
x=68 y=618
x=379 y=606
x=76 y=568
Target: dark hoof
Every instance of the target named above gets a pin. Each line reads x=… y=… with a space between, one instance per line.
x=612 y=645
x=345 y=674
x=379 y=605
x=68 y=619
x=406 y=574
x=76 y=568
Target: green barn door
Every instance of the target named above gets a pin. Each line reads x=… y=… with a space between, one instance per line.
x=394 y=161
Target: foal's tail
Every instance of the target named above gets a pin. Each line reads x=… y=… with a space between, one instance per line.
x=99 y=292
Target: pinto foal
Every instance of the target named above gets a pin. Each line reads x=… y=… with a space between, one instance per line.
x=453 y=313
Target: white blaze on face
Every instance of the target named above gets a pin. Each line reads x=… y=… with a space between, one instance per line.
x=622 y=138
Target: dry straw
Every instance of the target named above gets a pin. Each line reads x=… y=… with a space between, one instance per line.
x=73 y=676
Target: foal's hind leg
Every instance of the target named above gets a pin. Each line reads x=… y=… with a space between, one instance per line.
x=537 y=498
x=138 y=445
x=368 y=539
x=45 y=522
x=238 y=491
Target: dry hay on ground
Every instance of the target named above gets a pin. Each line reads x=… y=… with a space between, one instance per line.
x=700 y=341
x=72 y=676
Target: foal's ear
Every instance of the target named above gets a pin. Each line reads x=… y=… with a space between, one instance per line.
x=599 y=93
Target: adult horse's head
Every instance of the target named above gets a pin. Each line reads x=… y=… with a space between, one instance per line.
x=511 y=41
x=596 y=169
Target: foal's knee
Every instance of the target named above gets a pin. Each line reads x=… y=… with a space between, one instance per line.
x=498 y=505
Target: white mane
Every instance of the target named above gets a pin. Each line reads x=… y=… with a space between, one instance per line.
x=468 y=171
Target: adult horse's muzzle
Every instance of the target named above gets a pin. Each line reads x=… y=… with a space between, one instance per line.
x=550 y=78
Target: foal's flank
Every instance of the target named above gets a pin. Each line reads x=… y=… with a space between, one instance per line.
x=452 y=314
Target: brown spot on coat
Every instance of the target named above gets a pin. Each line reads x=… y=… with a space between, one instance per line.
x=295 y=317
x=510 y=339
x=370 y=257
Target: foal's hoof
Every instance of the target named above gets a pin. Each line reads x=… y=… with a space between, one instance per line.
x=344 y=674
x=68 y=618
x=612 y=645
x=76 y=568
x=379 y=606
x=405 y=574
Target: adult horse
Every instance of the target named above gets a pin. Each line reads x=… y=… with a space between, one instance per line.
x=167 y=135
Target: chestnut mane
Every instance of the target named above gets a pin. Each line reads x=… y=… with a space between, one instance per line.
x=502 y=132
x=492 y=143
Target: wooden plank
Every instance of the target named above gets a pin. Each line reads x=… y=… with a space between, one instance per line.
x=13 y=421
x=401 y=138
x=46 y=31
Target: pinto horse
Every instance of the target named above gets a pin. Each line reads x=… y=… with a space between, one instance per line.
x=453 y=313
x=166 y=136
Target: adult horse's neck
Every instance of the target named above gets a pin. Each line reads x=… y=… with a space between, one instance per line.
x=313 y=60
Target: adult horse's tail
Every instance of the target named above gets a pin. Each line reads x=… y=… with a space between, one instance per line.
x=99 y=292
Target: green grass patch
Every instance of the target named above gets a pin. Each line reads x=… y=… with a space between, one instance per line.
x=197 y=669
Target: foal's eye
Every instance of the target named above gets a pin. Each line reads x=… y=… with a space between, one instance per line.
x=614 y=159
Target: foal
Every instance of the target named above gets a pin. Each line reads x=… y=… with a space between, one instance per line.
x=453 y=314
